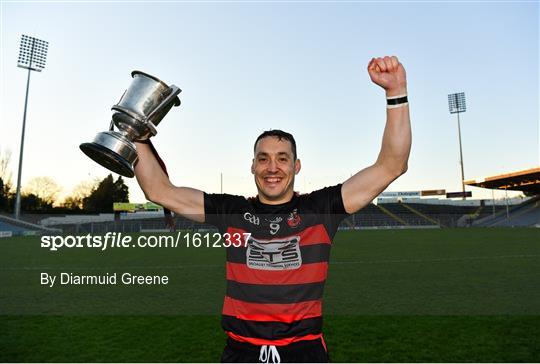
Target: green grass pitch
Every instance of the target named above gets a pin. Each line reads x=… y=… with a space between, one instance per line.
x=450 y=295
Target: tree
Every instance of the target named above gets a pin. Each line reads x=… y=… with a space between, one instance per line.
x=33 y=203
x=5 y=173
x=105 y=194
x=72 y=203
x=43 y=187
x=6 y=196
x=120 y=191
x=79 y=193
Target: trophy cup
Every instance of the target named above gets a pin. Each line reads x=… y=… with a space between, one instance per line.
x=140 y=109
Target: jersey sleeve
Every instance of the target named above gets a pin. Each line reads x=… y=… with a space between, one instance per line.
x=220 y=209
x=329 y=204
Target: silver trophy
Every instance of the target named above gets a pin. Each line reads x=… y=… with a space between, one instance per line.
x=140 y=109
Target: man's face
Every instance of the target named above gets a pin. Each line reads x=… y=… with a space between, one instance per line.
x=274 y=169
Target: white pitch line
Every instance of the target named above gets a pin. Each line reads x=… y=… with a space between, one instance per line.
x=436 y=259
x=117 y=267
x=223 y=265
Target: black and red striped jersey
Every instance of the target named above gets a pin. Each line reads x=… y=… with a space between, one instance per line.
x=276 y=275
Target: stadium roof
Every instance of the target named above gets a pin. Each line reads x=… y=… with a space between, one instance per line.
x=527 y=181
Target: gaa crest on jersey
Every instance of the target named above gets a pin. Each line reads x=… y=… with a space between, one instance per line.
x=275 y=254
x=254 y=219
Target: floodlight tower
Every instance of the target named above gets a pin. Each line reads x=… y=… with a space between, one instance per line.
x=456 y=104
x=32 y=56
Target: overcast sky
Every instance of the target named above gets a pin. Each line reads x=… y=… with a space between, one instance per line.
x=245 y=67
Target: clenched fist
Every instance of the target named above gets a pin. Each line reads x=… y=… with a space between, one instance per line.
x=388 y=73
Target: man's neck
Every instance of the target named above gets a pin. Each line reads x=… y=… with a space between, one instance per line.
x=288 y=197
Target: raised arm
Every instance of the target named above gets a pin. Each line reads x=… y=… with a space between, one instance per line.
x=157 y=187
x=359 y=190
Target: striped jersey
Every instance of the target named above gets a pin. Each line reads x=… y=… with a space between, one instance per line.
x=277 y=263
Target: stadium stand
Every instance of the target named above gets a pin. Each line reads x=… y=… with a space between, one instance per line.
x=382 y=215
x=371 y=216
x=443 y=215
x=12 y=227
x=524 y=214
x=7 y=229
x=129 y=223
x=407 y=215
x=400 y=212
x=527 y=181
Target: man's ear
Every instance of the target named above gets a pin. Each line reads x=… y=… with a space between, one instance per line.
x=297 y=166
x=253 y=166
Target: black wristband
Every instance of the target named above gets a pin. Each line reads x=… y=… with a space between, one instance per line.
x=397 y=101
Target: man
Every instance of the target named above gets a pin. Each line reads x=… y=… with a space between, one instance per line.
x=275 y=276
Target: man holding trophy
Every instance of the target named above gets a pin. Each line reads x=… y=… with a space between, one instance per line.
x=272 y=309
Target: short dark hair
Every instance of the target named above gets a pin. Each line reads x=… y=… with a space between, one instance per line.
x=280 y=134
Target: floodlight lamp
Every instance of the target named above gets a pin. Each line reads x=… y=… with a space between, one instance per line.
x=456 y=103
x=32 y=53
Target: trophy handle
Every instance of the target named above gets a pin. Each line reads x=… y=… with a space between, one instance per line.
x=152 y=127
x=122 y=96
x=164 y=103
